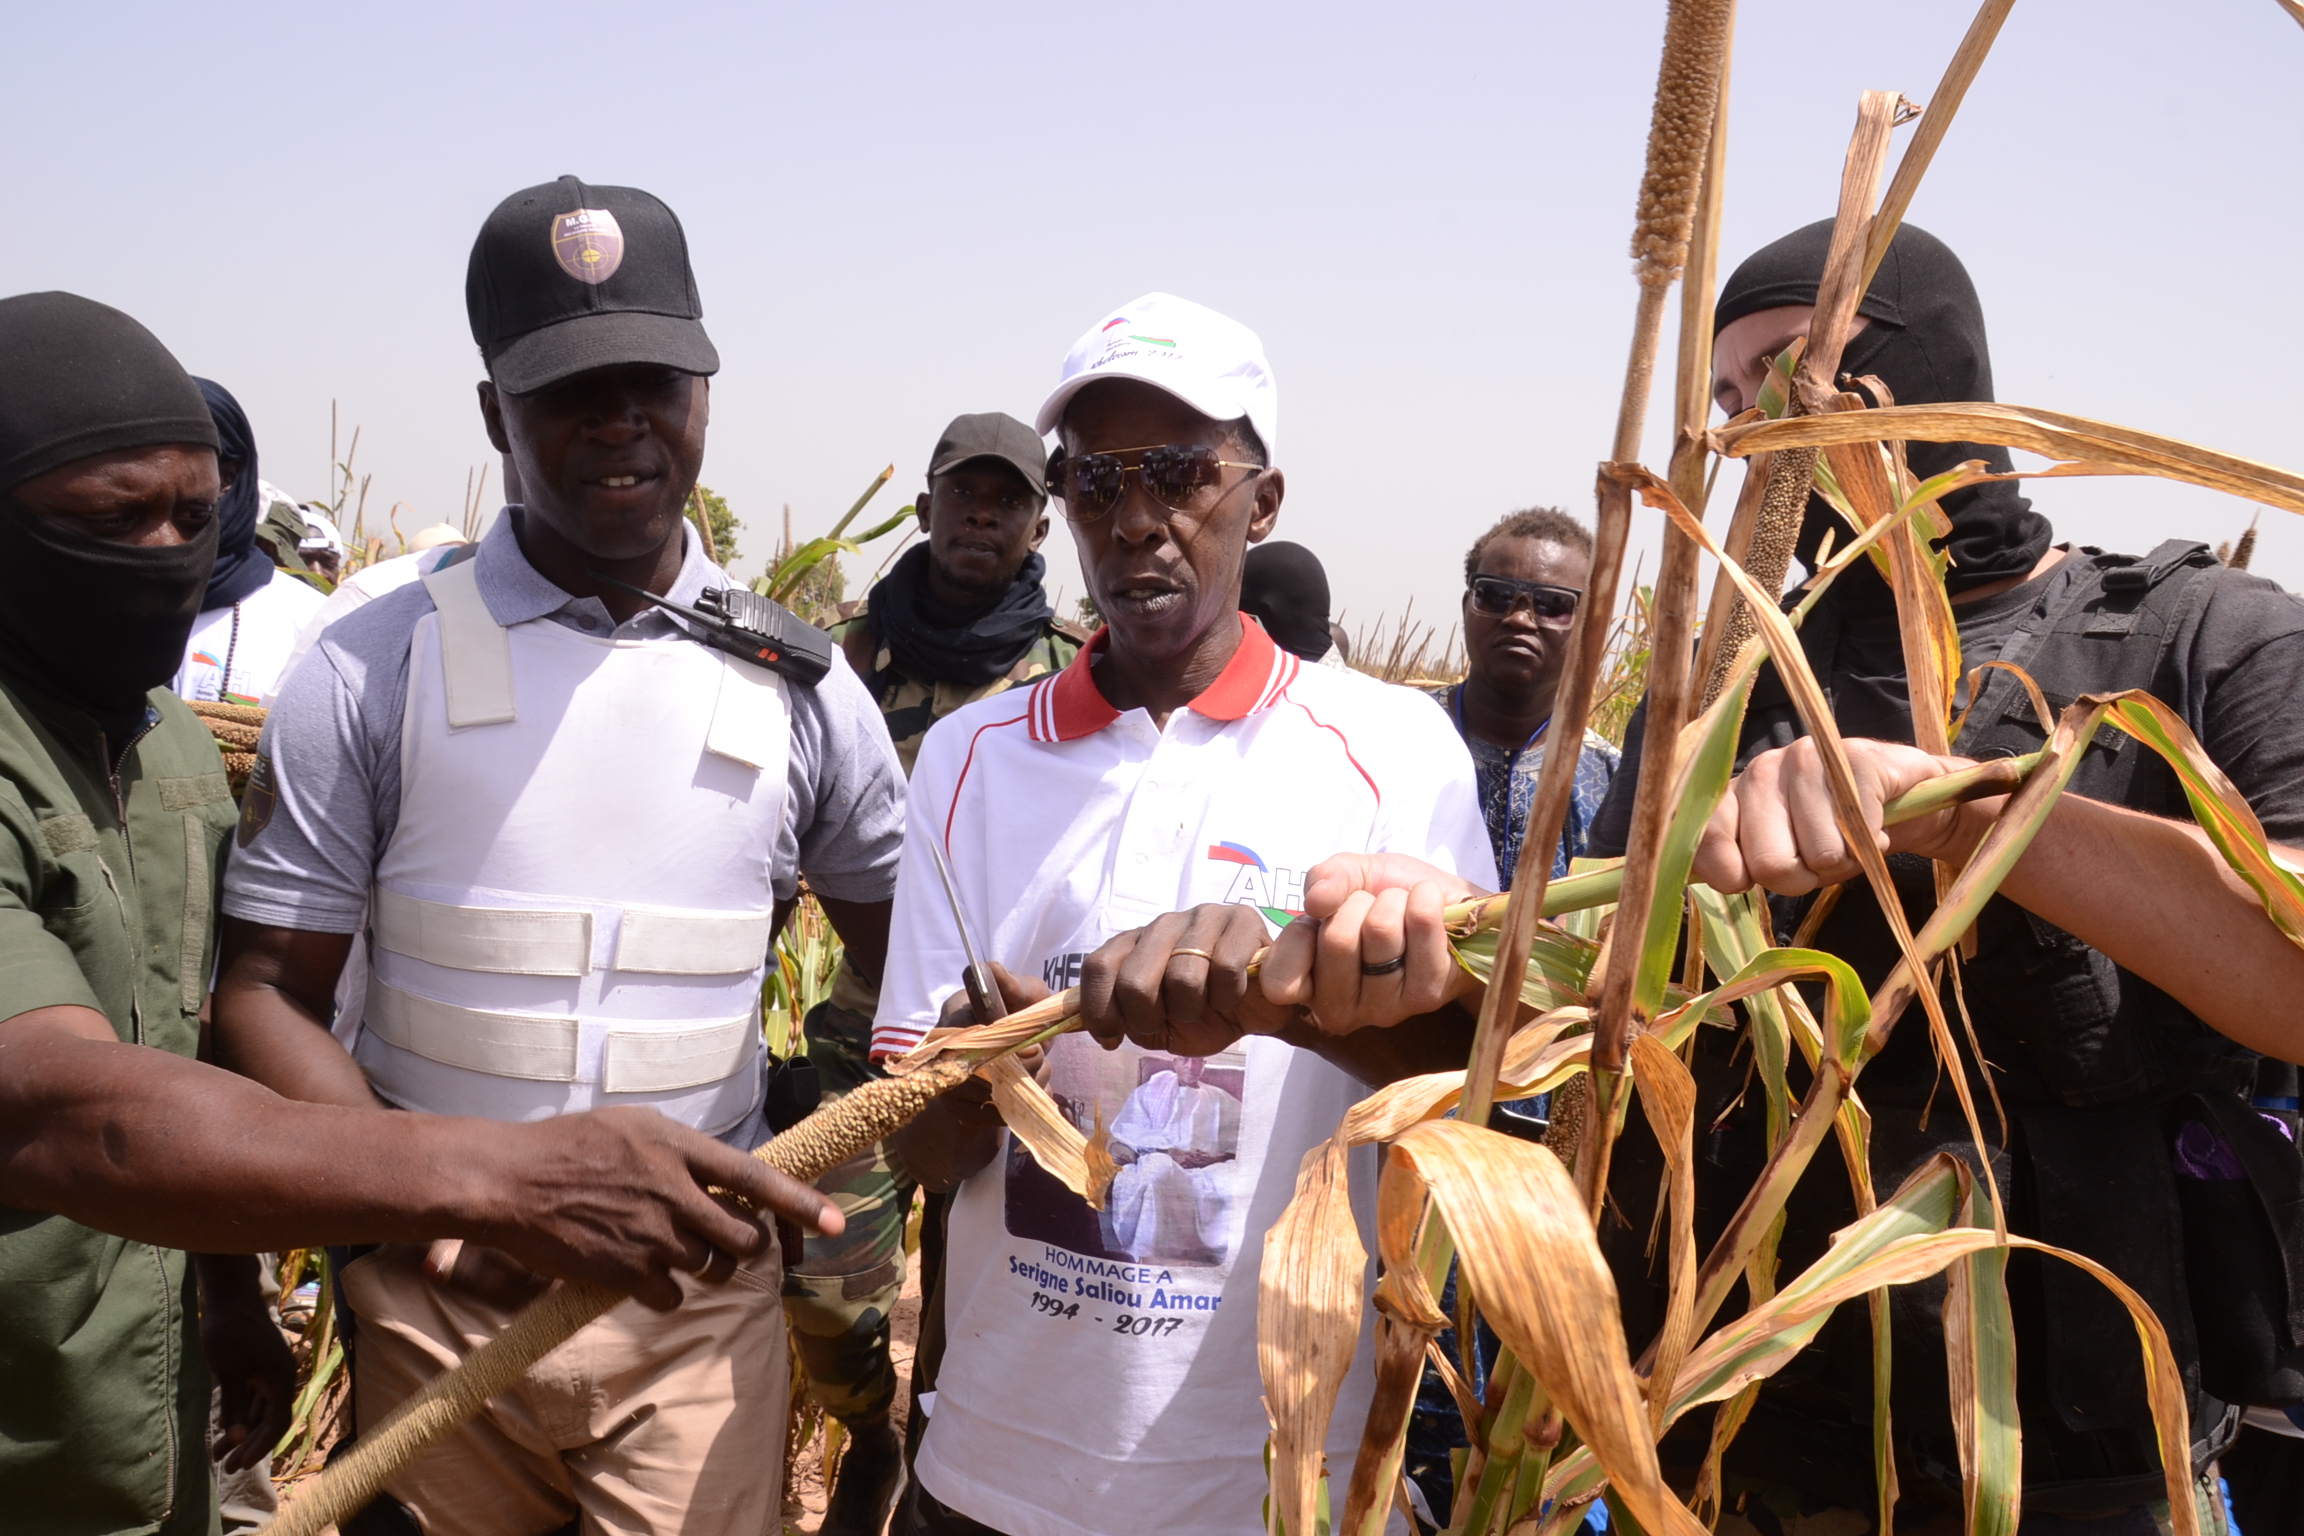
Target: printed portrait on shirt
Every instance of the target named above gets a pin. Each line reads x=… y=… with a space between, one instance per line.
x=1172 y=1125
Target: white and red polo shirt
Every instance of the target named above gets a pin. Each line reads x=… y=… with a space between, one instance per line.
x=1100 y=1373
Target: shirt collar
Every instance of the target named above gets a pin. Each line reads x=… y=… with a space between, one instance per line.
x=1069 y=705
x=517 y=592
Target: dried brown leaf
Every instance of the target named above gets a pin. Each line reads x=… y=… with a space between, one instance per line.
x=1308 y=1306
x=1528 y=1251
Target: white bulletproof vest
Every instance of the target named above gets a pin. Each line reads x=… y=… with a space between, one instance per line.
x=575 y=910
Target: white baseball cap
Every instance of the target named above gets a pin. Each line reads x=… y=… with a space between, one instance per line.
x=320 y=534
x=1211 y=362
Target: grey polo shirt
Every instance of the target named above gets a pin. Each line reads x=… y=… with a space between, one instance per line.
x=333 y=745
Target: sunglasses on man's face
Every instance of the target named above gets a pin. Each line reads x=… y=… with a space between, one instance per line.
x=1495 y=597
x=1183 y=477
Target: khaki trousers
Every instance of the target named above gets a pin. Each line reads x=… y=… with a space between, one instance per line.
x=643 y=1424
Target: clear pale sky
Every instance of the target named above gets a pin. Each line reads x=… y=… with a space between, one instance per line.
x=899 y=213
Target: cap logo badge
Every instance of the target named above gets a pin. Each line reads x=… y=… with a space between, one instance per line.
x=588 y=244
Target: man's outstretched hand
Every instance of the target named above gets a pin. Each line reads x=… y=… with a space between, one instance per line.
x=618 y=1197
x=1776 y=827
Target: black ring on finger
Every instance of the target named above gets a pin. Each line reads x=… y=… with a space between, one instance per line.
x=1391 y=967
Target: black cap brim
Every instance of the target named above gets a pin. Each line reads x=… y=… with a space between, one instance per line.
x=584 y=342
x=1035 y=474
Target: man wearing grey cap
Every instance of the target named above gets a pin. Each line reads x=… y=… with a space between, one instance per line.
x=557 y=832
x=962 y=616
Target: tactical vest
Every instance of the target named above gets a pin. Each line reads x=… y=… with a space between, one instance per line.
x=2095 y=1034
x=2104 y=1075
x=576 y=909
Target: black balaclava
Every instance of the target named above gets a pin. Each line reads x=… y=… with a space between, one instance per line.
x=1926 y=343
x=1284 y=586
x=242 y=570
x=94 y=623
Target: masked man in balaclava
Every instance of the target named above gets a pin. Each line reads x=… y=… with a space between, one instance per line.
x=2119 y=978
x=121 y=1151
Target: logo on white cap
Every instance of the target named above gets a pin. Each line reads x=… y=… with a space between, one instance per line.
x=588 y=244
x=1211 y=362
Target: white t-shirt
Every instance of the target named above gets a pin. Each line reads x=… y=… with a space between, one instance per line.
x=256 y=635
x=1100 y=1371
x=358 y=590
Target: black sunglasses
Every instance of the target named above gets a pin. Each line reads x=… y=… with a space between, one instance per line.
x=1178 y=476
x=1496 y=596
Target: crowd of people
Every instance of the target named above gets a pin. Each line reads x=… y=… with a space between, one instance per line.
x=490 y=920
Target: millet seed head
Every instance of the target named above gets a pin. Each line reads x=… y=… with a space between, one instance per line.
x=1679 y=137
x=856 y=1120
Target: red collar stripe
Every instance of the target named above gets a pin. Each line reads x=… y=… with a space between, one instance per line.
x=1069 y=705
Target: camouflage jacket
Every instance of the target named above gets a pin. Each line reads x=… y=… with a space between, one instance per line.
x=911 y=704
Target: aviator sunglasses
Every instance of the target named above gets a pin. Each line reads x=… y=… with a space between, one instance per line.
x=1496 y=596
x=1178 y=476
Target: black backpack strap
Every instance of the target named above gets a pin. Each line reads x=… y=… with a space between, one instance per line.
x=2108 y=628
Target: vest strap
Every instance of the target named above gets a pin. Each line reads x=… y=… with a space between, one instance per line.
x=501 y=939
x=675 y=1054
x=532 y=1046
x=658 y=1060
x=520 y=941
x=667 y=943
x=475 y=651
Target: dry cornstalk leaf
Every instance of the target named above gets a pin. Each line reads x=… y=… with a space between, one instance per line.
x=1783 y=499
x=1668 y=1095
x=1308 y=1301
x=2086 y=447
x=1527 y=1248
x=1033 y=1118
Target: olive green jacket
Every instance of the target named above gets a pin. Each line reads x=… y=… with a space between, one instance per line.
x=107 y=900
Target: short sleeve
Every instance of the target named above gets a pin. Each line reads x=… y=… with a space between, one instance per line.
x=847 y=792
x=2250 y=654
x=309 y=835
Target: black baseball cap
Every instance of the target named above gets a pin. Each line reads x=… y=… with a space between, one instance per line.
x=992 y=435
x=568 y=277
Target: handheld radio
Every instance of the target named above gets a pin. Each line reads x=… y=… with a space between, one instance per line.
x=747 y=625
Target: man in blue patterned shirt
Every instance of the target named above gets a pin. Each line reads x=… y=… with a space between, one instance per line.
x=1522 y=581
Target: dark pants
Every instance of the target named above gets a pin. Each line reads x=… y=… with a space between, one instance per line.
x=920 y=1514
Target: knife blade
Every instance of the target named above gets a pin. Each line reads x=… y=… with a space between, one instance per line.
x=983 y=992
